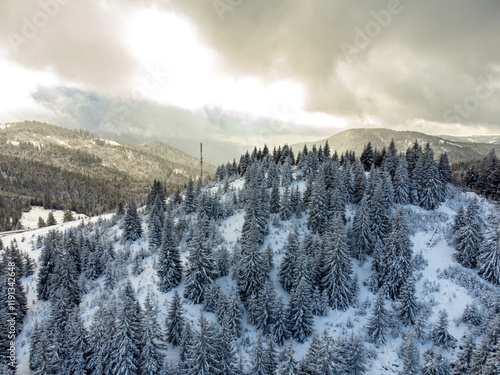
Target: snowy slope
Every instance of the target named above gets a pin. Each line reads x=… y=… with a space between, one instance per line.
x=429 y=239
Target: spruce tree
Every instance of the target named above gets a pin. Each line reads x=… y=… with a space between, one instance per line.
x=435 y=364
x=469 y=237
x=132 y=224
x=258 y=358
x=300 y=317
x=76 y=345
x=280 y=328
x=440 y=335
x=274 y=198
x=409 y=354
x=151 y=361
x=202 y=358
x=361 y=242
x=430 y=189
x=407 y=309
x=378 y=323
x=396 y=256
x=175 y=320
x=337 y=268
x=286 y=271
x=318 y=206
x=401 y=182
x=169 y=267
x=289 y=365
x=489 y=255
x=464 y=359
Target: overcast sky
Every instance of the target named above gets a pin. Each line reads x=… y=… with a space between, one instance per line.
x=235 y=73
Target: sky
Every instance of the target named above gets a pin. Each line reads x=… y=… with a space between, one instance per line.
x=239 y=73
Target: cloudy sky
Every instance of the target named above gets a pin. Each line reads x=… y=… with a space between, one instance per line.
x=234 y=73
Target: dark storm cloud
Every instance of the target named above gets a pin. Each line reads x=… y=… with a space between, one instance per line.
x=409 y=59
x=81 y=42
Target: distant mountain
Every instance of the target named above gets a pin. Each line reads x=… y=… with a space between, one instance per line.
x=61 y=167
x=356 y=139
x=490 y=139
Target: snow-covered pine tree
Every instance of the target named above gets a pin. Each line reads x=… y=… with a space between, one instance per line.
x=361 y=242
x=487 y=347
x=337 y=268
x=280 y=329
x=264 y=311
x=300 y=317
x=462 y=365
x=440 y=335
x=430 y=191
x=378 y=323
x=175 y=320
x=285 y=205
x=318 y=205
x=274 y=197
x=401 y=182
x=201 y=270
x=226 y=358
x=409 y=354
x=367 y=156
x=189 y=203
x=151 y=356
x=469 y=237
x=251 y=271
x=132 y=230
x=76 y=345
x=489 y=255
x=258 y=358
x=169 y=267
x=358 y=182
x=407 y=308
x=289 y=366
x=286 y=271
x=396 y=256
x=202 y=355
x=47 y=264
x=435 y=363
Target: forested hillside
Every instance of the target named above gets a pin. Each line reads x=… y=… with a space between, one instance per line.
x=59 y=168
x=284 y=265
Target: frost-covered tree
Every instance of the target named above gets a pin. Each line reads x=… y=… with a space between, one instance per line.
x=361 y=242
x=189 y=198
x=468 y=237
x=274 y=197
x=486 y=348
x=435 y=363
x=409 y=354
x=132 y=230
x=201 y=270
x=175 y=320
x=289 y=365
x=430 y=191
x=227 y=357
x=489 y=255
x=408 y=307
x=401 y=183
x=258 y=358
x=169 y=267
x=151 y=357
x=300 y=317
x=318 y=206
x=202 y=357
x=286 y=271
x=396 y=256
x=440 y=335
x=337 y=268
x=285 y=210
x=378 y=324
x=464 y=358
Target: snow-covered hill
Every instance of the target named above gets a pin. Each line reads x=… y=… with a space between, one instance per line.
x=109 y=262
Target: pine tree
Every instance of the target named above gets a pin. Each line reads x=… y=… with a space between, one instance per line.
x=401 y=183
x=300 y=317
x=464 y=360
x=396 y=256
x=258 y=358
x=280 y=328
x=286 y=271
x=489 y=256
x=264 y=312
x=440 y=335
x=68 y=216
x=409 y=354
x=361 y=243
x=132 y=224
x=408 y=307
x=47 y=264
x=51 y=219
x=151 y=360
x=234 y=314
x=201 y=270
x=226 y=351
x=175 y=321
x=274 y=199
x=430 y=192
x=337 y=268
x=189 y=198
x=77 y=345
x=318 y=205
x=358 y=181
x=435 y=364
x=458 y=221
x=367 y=157
x=169 y=265
x=285 y=208
x=488 y=344
x=202 y=358
x=469 y=237
x=378 y=324
x=289 y=365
